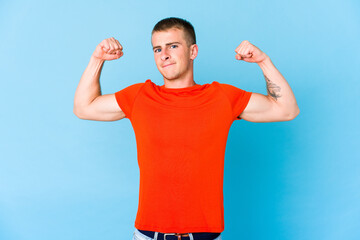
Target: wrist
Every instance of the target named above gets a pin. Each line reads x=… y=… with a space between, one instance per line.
x=264 y=62
x=95 y=59
x=96 y=63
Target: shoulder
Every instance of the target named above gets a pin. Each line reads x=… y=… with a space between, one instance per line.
x=136 y=86
x=227 y=88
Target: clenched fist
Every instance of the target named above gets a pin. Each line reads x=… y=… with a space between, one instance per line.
x=108 y=49
x=249 y=53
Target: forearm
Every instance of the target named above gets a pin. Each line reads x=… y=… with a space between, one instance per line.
x=89 y=85
x=278 y=88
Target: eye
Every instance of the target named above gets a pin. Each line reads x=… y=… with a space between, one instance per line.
x=157 y=50
x=173 y=46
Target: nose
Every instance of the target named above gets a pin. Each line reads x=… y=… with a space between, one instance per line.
x=165 y=55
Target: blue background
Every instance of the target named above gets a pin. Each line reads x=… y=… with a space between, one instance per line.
x=66 y=178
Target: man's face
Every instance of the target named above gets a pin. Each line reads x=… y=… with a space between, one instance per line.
x=172 y=55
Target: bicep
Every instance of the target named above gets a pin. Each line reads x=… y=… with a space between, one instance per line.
x=103 y=108
x=262 y=108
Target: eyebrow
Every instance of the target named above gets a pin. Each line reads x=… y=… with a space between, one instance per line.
x=167 y=44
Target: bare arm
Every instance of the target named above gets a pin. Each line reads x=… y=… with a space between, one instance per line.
x=89 y=104
x=280 y=103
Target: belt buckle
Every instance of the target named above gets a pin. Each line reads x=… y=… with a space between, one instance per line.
x=179 y=235
x=168 y=234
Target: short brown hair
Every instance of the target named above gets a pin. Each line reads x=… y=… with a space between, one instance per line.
x=178 y=23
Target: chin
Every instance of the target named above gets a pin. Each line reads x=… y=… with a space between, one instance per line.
x=170 y=77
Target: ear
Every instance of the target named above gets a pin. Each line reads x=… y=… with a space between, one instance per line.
x=193 y=51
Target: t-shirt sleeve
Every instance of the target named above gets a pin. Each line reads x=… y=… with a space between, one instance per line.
x=238 y=99
x=126 y=98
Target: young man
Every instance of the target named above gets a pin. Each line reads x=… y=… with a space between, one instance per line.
x=181 y=129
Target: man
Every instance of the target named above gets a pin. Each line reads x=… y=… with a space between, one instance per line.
x=181 y=129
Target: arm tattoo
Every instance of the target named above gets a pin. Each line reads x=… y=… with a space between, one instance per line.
x=272 y=89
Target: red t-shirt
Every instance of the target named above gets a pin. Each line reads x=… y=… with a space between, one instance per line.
x=181 y=136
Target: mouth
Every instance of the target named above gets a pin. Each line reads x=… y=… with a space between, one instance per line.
x=168 y=65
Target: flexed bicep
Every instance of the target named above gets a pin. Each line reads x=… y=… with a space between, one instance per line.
x=262 y=108
x=103 y=108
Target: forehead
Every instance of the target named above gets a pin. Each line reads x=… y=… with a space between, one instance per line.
x=170 y=35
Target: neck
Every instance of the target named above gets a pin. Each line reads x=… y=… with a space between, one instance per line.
x=178 y=83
